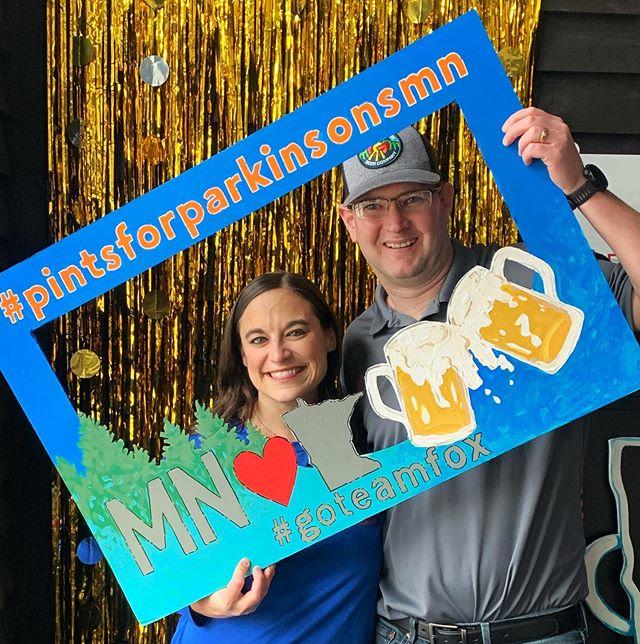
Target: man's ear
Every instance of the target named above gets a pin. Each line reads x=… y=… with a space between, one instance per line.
x=446 y=197
x=347 y=215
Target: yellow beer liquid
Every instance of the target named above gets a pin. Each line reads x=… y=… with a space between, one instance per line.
x=529 y=327
x=426 y=416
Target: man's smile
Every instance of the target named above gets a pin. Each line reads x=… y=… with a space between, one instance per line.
x=395 y=245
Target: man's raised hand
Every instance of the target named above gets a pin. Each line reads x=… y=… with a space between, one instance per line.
x=543 y=136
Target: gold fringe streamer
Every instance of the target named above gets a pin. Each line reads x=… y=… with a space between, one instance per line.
x=234 y=67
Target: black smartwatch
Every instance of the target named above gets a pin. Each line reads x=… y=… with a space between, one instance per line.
x=595 y=182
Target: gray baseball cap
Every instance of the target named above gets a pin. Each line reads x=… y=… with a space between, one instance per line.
x=405 y=157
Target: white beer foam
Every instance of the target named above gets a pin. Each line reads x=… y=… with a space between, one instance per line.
x=427 y=350
x=469 y=309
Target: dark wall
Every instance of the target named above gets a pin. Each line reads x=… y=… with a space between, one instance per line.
x=588 y=71
x=26 y=612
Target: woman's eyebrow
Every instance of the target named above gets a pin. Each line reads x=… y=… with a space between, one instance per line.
x=297 y=322
x=251 y=331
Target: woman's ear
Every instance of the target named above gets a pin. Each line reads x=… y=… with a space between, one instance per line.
x=332 y=341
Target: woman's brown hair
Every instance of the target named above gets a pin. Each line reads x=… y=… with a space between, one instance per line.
x=236 y=396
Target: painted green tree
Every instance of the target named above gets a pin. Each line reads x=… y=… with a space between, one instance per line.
x=112 y=471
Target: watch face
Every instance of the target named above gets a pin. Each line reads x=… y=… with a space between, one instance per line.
x=596 y=176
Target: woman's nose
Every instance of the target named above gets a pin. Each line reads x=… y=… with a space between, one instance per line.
x=279 y=351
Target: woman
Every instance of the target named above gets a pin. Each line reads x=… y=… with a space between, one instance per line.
x=280 y=344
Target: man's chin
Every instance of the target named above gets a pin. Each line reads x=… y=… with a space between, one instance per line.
x=402 y=274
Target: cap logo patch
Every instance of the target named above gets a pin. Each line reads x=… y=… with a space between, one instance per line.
x=381 y=153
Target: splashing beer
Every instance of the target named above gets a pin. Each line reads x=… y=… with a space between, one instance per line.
x=431 y=371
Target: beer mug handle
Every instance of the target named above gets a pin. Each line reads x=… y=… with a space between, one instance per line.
x=530 y=261
x=379 y=406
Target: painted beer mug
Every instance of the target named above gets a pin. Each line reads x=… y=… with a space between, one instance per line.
x=431 y=371
x=536 y=328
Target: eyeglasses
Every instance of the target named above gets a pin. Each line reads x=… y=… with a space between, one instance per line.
x=408 y=203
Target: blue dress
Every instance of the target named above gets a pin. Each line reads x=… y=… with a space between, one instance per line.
x=325 y=593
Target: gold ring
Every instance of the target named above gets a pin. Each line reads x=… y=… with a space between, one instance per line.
x=544 y=134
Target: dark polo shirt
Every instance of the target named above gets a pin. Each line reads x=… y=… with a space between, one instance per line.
x=502 y=540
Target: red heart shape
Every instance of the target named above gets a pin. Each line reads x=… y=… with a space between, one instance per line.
x=271 y=475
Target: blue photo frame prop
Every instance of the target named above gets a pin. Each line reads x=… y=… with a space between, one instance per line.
x=535 y=404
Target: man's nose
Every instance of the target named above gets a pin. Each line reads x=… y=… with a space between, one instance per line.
x=395 y=219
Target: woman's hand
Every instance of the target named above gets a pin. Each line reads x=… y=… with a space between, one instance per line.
x=230 y=601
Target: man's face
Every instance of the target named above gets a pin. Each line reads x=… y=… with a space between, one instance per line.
x=403 y=248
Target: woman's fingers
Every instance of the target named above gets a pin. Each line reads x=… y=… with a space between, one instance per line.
x=236 y=582
x=230 y=602
x=259 y=588
x=225 y=602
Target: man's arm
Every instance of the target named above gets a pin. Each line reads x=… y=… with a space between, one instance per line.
x=619 y=225
x=614 y=220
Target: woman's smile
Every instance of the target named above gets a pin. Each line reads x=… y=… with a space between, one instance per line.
x=285 y=374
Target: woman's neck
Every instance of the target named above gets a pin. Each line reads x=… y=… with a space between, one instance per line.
x=267 y=417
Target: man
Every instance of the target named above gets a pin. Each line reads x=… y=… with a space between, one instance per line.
x=500 y=547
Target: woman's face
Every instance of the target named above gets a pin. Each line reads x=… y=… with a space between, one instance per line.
x=284 y=347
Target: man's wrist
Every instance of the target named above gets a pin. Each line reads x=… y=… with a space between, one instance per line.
x=576 y=185
x=594 y=182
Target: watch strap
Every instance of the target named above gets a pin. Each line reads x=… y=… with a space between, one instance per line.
x=579 y=196
x=595 y=182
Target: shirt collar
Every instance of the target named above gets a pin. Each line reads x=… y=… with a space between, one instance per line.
x=384 y=315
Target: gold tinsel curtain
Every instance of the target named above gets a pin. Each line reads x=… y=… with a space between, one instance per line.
x=235 y=66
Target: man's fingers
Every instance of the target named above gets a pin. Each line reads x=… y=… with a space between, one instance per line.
x=517 y=124
x=237 y=579
x=269 y=572
x=525 y=113
x=525 y=126
x=533 y=135
x=514 y=131
x=518 y=116
x=534 y=151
